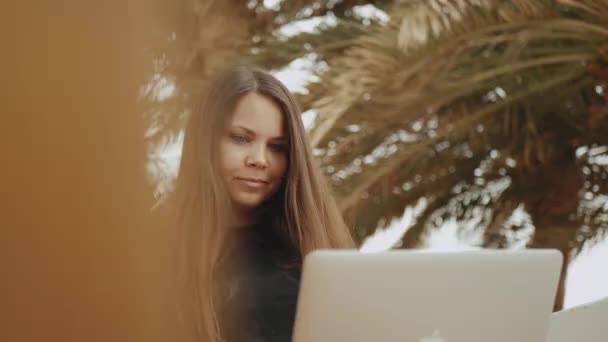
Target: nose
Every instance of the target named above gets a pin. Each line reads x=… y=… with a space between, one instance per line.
x=257 y=157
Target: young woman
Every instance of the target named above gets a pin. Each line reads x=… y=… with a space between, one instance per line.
x=251 y=204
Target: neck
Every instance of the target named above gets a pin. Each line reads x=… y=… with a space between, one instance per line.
x=241 y=218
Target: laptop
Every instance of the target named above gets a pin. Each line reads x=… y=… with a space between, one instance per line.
x=586 y=322
x=427 y=296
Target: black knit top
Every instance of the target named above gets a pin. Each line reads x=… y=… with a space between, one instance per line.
x=259 y=291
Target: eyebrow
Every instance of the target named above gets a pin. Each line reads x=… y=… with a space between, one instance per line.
x=250 y=132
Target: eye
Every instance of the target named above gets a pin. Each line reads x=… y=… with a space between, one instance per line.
x=278 y=147
x=241 y=139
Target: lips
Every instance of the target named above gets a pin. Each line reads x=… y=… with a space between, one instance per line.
x=252 y=180
x=251 y=184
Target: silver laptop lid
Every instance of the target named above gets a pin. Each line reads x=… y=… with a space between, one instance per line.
x=425 y=296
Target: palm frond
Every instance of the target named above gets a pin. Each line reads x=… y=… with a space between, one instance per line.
x=298 y=9
x=587 y=10
x=430 y=85
x=277 y=52
x=352 y=76
x=419 y=75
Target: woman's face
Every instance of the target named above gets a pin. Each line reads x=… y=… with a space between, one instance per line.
x=254 y=151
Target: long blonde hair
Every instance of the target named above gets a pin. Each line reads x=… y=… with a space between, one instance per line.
x=308 y=218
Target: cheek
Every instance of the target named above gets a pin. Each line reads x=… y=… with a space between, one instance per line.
x=280 y=165
x=228 y=157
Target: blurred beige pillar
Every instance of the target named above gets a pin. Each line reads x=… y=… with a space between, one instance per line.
x=81 y=255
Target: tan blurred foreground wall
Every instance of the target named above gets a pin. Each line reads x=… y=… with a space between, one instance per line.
x=82 y=257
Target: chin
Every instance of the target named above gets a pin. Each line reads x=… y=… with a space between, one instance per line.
x=248 y=203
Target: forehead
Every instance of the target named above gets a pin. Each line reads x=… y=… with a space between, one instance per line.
x=260 y=114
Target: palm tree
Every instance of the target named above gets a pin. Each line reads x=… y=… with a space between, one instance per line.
x=479 y=106
x=483 y=107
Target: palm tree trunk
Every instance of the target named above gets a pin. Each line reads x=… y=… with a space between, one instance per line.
x=553 y=213
x=561 y=287
x=556 y=237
